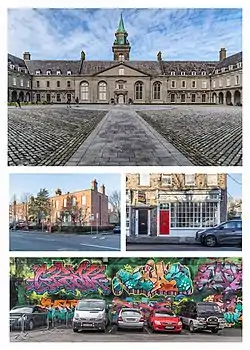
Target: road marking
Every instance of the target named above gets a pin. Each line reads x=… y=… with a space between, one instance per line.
x=94 y=237
x=146 y=328
x=102 y=237
x=99 y=246
x=111 y=329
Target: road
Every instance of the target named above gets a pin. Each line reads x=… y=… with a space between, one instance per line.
x=67 y=335
x=177 y=247
x=38 y=241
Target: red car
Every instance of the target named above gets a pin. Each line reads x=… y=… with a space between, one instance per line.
x=164 y=320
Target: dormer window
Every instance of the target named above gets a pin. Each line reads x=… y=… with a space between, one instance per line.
x=239 y=64
x=203 y=73
x=19 y=69
x=216 y=71
x=193 y=73
x=12 y=66
x=48 y=72
x=182 y=73
x=231 y=67
x=223 y=69
x=172 y=73
x=58 y=72
x=38 y=72
x=68 y=72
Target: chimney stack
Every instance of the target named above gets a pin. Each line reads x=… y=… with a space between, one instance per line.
x=223 y=54
x=94 y=185
x=102 y=189
x=159 y=58
x=26 y=56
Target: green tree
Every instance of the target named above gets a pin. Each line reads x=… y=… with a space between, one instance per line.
x=40 y=206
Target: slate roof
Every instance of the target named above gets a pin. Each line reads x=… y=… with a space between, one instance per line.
x=16 y=61
x=188 y=67
x=149 y=67
x=54 y=66
x=230 y=60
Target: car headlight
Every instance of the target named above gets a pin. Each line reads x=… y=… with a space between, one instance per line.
x=179 y=323
x=20 y=319
x=201 y=319
x=157 y=322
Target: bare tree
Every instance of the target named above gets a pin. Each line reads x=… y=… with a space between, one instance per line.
x=115 y=201
x=25 y=199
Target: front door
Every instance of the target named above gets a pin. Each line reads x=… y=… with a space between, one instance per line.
x=48 y=98
x=143 y=222
x=120 y=99
x=164 y=222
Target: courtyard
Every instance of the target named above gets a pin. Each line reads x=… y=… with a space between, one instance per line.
x=125 y=135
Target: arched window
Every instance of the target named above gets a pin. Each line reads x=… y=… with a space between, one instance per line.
x=84 y=91
x=102 y=90
x=138 y=90
x=157 y=91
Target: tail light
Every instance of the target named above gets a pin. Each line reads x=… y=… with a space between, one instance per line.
x=119 y=318
x=142 y=319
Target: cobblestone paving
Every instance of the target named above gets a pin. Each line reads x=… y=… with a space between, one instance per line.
x=46 y=135
x=123 y=138
x=205 y=135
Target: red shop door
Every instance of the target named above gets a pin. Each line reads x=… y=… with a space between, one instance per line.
x=164 y=222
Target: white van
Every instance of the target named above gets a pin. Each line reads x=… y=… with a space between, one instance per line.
x=90 y=314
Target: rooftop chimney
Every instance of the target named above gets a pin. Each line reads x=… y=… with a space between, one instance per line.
x=102 y=189
x=26 y=56
x=94 y=185
x=223 y=54
x=159 y=58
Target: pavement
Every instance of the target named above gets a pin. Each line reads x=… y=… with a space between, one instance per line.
x=124 y=138
x=44 y=241
x=125 y=135
x=112 y=335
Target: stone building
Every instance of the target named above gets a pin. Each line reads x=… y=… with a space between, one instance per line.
x=89 y=206
x=174 y=204
x=124 y=81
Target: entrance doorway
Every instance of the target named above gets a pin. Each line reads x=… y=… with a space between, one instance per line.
x=120 y=99
x=48 y=98
x=143 y=221
x=164 y=222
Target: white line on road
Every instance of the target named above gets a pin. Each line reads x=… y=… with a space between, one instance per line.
x=102 y=237
x=99 y=246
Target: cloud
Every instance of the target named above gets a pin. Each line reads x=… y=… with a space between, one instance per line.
x=181 y=34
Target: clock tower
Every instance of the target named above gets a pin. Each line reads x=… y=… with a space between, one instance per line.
x=121 y=46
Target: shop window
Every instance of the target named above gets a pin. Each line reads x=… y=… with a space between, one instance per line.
x=166 y=180
x=189 y=179
x=212 y=180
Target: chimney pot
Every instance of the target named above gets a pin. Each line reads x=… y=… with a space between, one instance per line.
x=26 y=56
x=94 y=185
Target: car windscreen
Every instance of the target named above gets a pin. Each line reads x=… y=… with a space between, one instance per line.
x=22 y=310
x=131 y=313
x=164 y=314
x=91 y=306
x=208 y=308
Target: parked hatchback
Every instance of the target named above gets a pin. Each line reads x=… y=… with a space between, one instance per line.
x=29 y=316
x=164 y=320
x=227 y=233
x=130 y=318
x=117 y=229
x=202 y=316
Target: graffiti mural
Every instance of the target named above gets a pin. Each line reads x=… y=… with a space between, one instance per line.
x=135 y=282
x=82 y=279
x=219 y=276
x=154 y=278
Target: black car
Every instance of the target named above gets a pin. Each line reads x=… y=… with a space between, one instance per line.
x=29 y=316
x=117 y=229
x=202 y=316
x=227 y=233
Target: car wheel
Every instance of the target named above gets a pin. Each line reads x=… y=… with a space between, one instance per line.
x=210 y=241
x=215 y=330
x=191 y=327
x=75 y=330
x=31 y=325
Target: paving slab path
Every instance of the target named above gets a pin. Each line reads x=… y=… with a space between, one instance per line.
x=124 y=138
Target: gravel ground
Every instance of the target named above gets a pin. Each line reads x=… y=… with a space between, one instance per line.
x=48 y=136
x=206 y=135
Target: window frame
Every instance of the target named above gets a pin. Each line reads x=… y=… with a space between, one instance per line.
x=189 y=183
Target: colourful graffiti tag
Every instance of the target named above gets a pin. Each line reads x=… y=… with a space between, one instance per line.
x=49 y=303
x=154 y=278
x=219 y=277
x=85 y=278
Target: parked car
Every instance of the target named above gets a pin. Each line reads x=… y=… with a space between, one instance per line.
x=164 y=320
x=202 y=316
x=117 y=229
x=229 y=232
x=90 y=314
x=130 y=318
x=33 y=316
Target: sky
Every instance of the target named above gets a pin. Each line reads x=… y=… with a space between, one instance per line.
x=180 y=34
x=21 y=184
x=30 y=184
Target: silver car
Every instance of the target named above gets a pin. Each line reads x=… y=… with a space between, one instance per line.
x=130 y=318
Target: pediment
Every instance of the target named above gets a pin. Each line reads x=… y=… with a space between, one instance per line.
x=121 y=71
